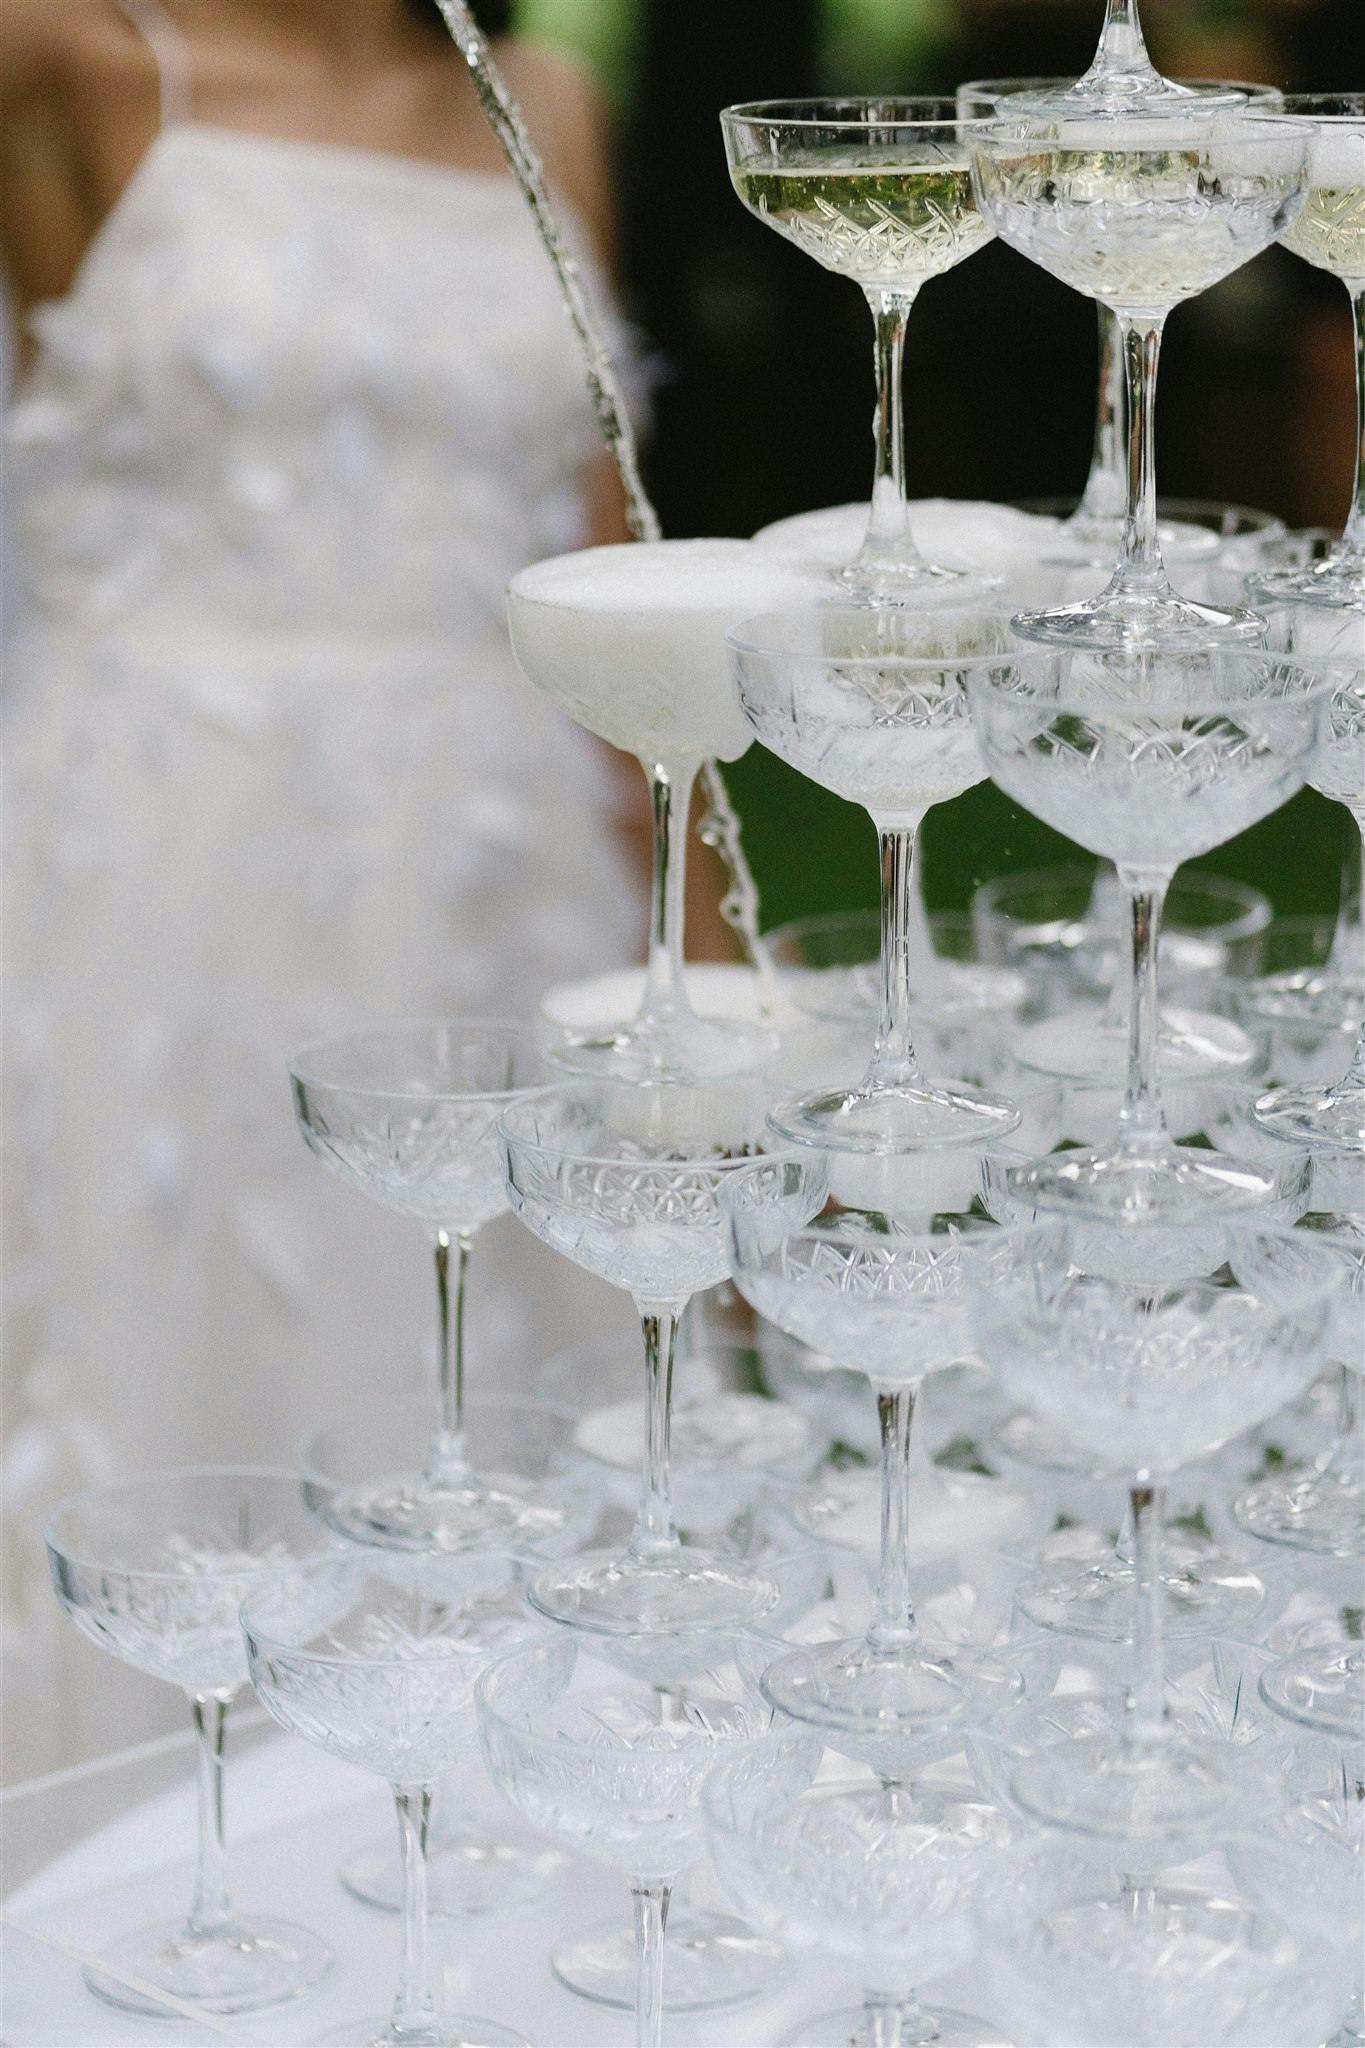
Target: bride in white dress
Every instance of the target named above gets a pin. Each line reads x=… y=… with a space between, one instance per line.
x=300 y=400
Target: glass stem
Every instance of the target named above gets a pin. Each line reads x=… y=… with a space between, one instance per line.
x=1343 y=1456
x=414 y=2008
x=1142 y=1127
x=1354 y=1077
x=210 y=1909
x=1352 y=542
x=884 y=2018
x=446 y=1452
x=651 y=1918
x=670 y=790
x=893 y=1056
x=888 y=540
x=1145 y=1720
x=1121 y=46
x=893 y=1621
x=654 y=1532
x=1140 y=569
x=1347 y=958
x=1102 y=503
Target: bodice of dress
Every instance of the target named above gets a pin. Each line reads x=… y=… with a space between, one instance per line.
x=298 y=387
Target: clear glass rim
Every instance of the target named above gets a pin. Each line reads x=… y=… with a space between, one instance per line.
x=171 y=1475
x=517 y=1141
x=853 y=112
x=1255 y=915
x=361 y=1559
x=1307 y=107
x=1327 y=1280
x=1167 y=131
x=747 y=638
x=565 y=1745
x=519 y=1031
x=1318 y=677
x=999 y=88
x=969 y=1229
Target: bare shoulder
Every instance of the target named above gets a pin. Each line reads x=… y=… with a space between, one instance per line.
x=567 y=114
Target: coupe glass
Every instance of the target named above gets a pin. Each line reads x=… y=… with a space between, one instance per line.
x=1085 y=1959
x=1330 y=233
x=1139 y=213
x=409 y=1114
x=1333 y=1117
x=885 y=1294
x=1151 y=760
x=154 y=1571
x=474 y=1865
x=615 y=1769
x=879 y=191
x=373 y=1659
x=627 y=1182
x=873 y=705
x=859 y=1873
x=1091 y=536
x=1323 y=1510
x=629 y=642
x=1321 y=1688
x=1307 y=1865
x=1150 y=1376
x=1310 y=994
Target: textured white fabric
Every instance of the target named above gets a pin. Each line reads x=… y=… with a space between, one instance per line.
x=272 y=772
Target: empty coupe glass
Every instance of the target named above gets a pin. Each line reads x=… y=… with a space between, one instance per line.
x=1082 y=1958
x=615 y=1768
x=374 y=1659
x=886 y=1294
x=1151 y=760
x=1139 y=212
x=873 y=705
x=408 y=1114
x=1149 y=1376
x=859 y=1872
x=627 y=1182
x=879 y=191
x=154 y=1571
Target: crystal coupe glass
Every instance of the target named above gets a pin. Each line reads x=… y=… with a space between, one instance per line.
x=878 y=191
x=154 y=1571
x=1333 y=1117
x=627 y=1182
x=872 y=704
x=859 y=1873
x=1139 y=212
x=374 y=1659
x=615 y=1769
x=885 y=1294
x=1081 y=1958
x=408 y=1114
x=1151 y=760
x=1150 y=1376
x=1330 y=233
x=629 y=642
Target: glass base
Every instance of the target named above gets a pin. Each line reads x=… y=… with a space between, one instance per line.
x=891 y=578
x=1322 y=1689
x=1040 y=1444
x=689 y=1050
x=1322 y=1511
x=1121 y=624
x=933 y=2025
x=467 y=1873
x=442 y=2030
x=612 y=1593
x=1203 y=1593
x=1178 y=1791
x=1192 y=1045
x=890 y=1120
x=245 y=1967
x=411 y=1511
x=1175 y=1187
x=1092 y=540
x=713 y=1960
x=1338 y=579
x=1333 y=1118
x=863 y=1696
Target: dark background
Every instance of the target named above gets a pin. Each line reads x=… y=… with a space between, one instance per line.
x=764 y=395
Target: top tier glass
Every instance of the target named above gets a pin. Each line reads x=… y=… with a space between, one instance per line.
x=879 y=191
x=1122 y=79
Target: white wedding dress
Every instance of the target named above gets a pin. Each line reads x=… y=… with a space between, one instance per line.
x=271 y=772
